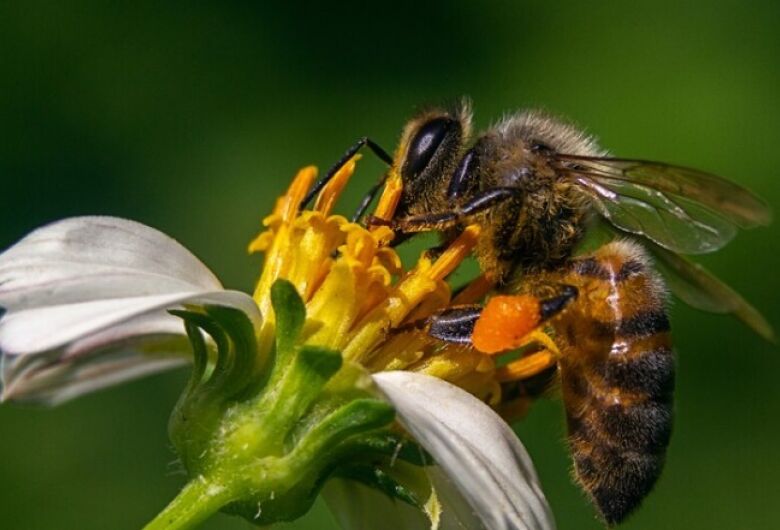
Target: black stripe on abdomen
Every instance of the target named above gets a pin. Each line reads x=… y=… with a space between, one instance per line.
x=620 y=479
x=650 y=373
x=644 y=324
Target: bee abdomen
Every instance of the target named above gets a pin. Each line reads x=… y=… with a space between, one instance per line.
x=616 y=480
x=619 y=445
x=617 y=377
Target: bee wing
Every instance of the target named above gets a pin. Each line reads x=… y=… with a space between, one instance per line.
x=688 y=281
x=699 y=288
x=681 y=209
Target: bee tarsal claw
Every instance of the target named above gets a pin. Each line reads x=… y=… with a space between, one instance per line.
x=552 y=306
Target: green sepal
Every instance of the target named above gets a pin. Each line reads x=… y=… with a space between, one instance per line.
x=201 y=406
x=357 y=416
x=395 y=446
x=264 y=430
x=236 y=348
x=290 y=314
x=244 y=345
x=295 y=387
x=200 y=351
x=323 y=362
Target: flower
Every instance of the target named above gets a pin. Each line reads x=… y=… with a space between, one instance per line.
x=293 y=387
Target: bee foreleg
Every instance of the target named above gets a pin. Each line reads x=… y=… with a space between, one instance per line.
x=364 y=141
x=456 y=216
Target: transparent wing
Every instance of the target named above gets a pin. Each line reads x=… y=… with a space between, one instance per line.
x=680 y=209
x=699 y=288
x=688 y=281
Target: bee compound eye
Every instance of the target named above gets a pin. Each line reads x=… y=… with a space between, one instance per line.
x=424 y=145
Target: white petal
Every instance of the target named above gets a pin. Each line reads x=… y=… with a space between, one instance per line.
x=86 y=302
x=358 y=507
x=45 y=328
x=456 y=511
x=141 y=346
x=91 y=258
x=56 y=353
x=480 y=454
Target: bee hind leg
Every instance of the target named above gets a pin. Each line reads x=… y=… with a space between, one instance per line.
x=452 y=325
x=509 y=322
x=505 y=323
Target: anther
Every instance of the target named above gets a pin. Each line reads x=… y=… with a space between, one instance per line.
x=327 y=198
x=391 y=195
x=526 y=367
x=287 y=207
x=456 y=253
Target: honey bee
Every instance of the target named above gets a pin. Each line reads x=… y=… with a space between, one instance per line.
x=597 y=320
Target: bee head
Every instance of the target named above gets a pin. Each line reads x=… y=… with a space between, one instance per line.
x=430 y=147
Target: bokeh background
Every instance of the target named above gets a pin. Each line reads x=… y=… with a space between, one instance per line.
x=192 y=118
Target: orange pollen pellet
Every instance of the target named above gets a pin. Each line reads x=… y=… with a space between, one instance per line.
x=504 y=323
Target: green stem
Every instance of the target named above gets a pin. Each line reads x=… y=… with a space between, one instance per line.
x=195 y=502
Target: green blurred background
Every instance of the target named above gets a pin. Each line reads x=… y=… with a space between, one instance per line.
x=193 y=118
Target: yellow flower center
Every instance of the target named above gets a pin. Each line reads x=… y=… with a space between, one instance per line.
x=357 y=293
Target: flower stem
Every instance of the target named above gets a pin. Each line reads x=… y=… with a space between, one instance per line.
x=195 y=502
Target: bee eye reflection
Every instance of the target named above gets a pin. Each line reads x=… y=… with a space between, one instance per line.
x=424 y=145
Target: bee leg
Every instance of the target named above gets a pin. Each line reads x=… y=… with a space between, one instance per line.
x=489 y=333
x=364 y=141
x=367 y=198
x=508 y=322
x=454 y=324
x=452 y=218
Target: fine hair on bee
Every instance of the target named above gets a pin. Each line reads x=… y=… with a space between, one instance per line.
x=595 y=320
x=505 y=182
x=617 y=374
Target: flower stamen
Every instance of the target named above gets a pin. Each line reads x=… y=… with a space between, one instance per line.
x=526 y=367
x=327 y=198
x=359 y=298
x=456 y=253
x=474 y=291
x=390 y=197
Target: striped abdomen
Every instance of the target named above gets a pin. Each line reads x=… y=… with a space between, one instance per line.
x=617 y=376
